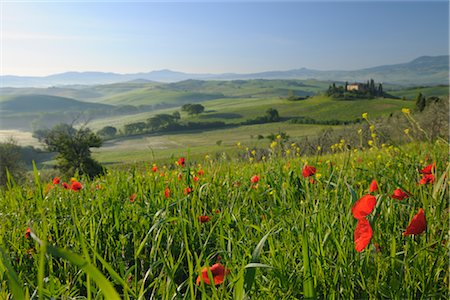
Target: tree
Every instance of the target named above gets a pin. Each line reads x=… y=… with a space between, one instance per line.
x=421 y=102
x=380 y=89
x=73 y=148
x=272 y=115
x=193 y=109
x=161 y=121
x=10 y=161
x=135 y=128
x=176 y=116
x=107 y=131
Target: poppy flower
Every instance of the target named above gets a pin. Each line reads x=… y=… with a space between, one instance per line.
x=364 y=206
x=204 y=219
x=132 y=197
x=195 y=178
x=427 y=178
x=362 y=235
x=76 y=186
x=218 y=273
x=373 y=186
x=254 y=179
x=399 y=194
x=181 y=161
x=187 y=191
x=180 y=176
x=417 y=225
x=56 y=180
x=428 y=169
x=308 y=171
x=65 y=185
x=28 y=233
x=154 y=169
x=167 y=193
x=200 y=172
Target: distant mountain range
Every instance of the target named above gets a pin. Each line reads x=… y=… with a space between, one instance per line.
x=425 y=70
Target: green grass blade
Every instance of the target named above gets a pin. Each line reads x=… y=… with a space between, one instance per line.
x=15 y=284
x=115 y=276
x=308 y=283
x=103 y=283
x=251 y=272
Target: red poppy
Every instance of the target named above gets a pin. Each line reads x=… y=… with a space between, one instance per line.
x=65 y=185
x=399 y=194
x=28 y=233
x=180 y=176
x=417 y=225
x=364 y=206
x=187 y=191
x=362 y=235
x=155 y=169
x=254 y=179
x=181 y=161
x=167 y=193
x=427 y=178
x=76 y=186
x=308 y=171
x=204 y=219
x=132 y=197
x=428 y=169
x=218 y=273
x=373 y=186
x=200 y=172
x=56 y=180
x=195 y=178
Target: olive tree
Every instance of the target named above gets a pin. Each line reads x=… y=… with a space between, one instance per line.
x=73 y=148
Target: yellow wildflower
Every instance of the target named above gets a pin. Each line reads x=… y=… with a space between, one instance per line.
x=406 y=111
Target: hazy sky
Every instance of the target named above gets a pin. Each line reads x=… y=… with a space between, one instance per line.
x=47 y=37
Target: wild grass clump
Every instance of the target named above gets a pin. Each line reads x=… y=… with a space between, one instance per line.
x=233 y=229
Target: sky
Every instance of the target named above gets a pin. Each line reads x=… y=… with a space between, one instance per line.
x=40 y=38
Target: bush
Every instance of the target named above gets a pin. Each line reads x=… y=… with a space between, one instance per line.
x=10 y=161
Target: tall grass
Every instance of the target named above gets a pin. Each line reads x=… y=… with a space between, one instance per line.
x=284 y=237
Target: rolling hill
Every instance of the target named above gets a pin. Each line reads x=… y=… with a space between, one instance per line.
x=45 y=103
x=27 y=111
x=424 y=70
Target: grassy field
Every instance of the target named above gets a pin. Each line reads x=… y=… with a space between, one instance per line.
x=198 y=143
x=411 y=93
x=234 y=111
x=139 y=233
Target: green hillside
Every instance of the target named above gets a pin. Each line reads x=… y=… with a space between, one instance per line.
x=427 y=91
x=198 y=91
x=45 y=103
x=26 y=112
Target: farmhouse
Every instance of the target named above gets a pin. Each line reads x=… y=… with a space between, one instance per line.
x=356 y=87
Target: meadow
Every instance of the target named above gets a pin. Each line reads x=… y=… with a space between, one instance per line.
x=281 y=226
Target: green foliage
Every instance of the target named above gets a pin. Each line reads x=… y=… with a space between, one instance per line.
x=73 y=148
x=421 y=102
x=11 y=162
x=193 y=109
x=272 y=115
x=107 y=132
